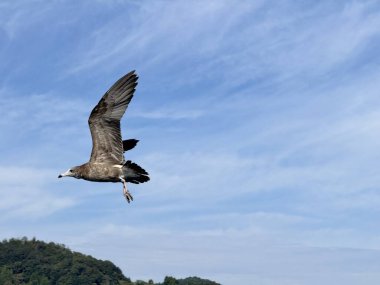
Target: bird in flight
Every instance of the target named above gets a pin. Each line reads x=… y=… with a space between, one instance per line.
x=107 y=162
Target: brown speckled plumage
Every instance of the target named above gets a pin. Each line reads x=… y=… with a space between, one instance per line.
x=107 y=163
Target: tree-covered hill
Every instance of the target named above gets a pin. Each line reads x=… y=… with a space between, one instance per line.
x=37 y=262
x=33 y=262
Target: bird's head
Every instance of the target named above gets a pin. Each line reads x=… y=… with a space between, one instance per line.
x=72 y=172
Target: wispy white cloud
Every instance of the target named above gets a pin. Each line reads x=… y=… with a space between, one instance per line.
x=24 y=194
x=171 y=114
x=230 y=47
x=16 y=16
x=156 y=27
x=39 y=110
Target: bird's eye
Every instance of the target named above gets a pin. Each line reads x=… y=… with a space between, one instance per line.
x=71 y=170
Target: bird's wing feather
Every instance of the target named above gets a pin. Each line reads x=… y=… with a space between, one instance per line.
x=105 y=118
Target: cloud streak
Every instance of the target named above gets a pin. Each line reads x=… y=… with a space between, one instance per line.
x=24 y=195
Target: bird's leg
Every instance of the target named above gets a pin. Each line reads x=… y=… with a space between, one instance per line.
x=126 y=193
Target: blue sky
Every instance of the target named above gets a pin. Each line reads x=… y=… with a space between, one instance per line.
x=258 y=122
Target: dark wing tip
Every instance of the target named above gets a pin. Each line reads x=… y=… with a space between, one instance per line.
x=129 y=144
x=117 y=98
x=128 y=79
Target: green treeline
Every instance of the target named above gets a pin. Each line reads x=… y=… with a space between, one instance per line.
x=33 y=262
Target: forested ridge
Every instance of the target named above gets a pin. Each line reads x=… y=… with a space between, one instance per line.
x=34 y=262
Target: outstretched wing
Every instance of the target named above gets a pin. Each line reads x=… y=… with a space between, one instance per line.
x=104 y=121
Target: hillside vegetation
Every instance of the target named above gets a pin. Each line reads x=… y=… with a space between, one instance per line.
x=34 y=262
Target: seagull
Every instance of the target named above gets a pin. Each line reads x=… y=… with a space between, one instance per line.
x=107 y=162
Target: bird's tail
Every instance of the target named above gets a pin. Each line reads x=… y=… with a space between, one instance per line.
x=134 y=173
